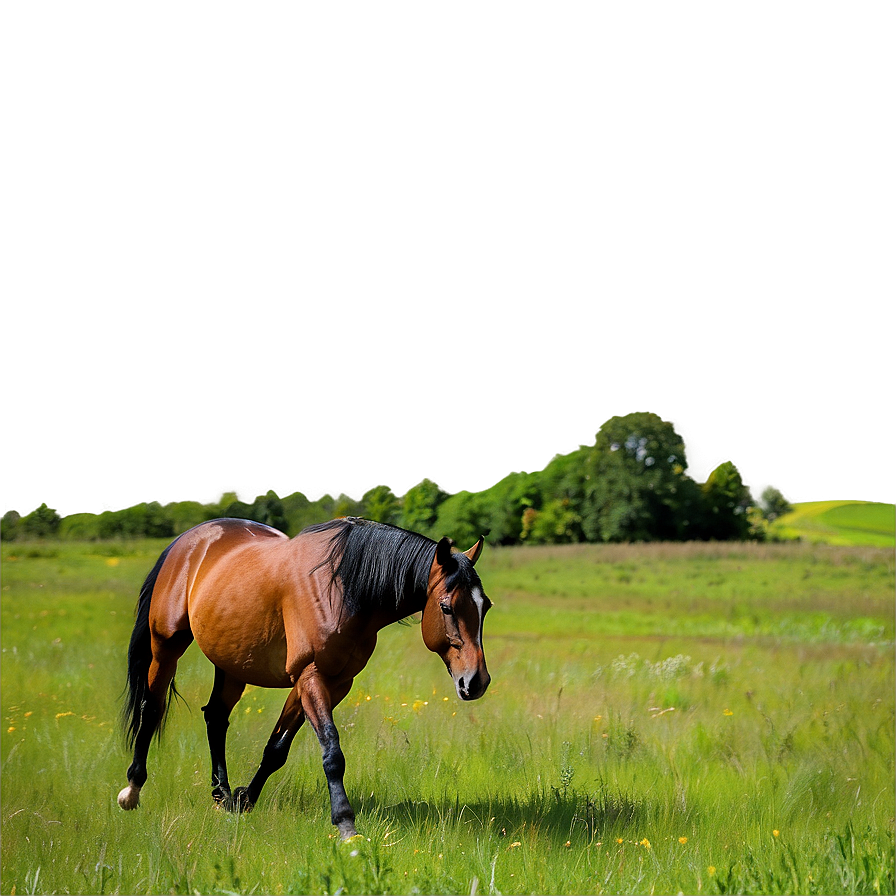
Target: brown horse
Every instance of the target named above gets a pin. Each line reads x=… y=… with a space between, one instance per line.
x=299 y=613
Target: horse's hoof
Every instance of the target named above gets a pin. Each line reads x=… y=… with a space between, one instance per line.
x=239 y=801
x=129 y=798
x=347 y=832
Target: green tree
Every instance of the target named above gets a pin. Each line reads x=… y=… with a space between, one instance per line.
x=187 y=514
x=633 y=478
x=380 y=505
x=9 y=525
x=40 y=523
x=502 y=506
x=555 y=523
x=420 y=508
x=557 y=515
x=462 y=518
x=80 y=527
x=227 y=500
x=727 y=501
x=300 y=512
x=774 y=504
x=268 y=509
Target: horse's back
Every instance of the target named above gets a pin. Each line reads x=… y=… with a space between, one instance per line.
x=201 y=560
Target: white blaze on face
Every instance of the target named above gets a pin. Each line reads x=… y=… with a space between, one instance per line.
x=464 y=679
x=479 y=600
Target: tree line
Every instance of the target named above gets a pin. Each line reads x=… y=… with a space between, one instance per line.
x=630 y=485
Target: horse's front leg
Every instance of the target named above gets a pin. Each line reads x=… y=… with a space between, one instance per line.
x=318 y=700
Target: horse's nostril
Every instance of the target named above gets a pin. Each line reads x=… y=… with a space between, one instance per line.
x=460 y=683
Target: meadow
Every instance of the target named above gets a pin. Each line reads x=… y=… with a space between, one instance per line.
x=839 y=523
x=698 y=718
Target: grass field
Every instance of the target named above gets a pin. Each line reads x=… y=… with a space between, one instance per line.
x=662 y=718
x=840 y=523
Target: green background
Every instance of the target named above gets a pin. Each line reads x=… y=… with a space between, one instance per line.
x=325 y=246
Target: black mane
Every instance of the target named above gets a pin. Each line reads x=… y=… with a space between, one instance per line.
x=378 y=565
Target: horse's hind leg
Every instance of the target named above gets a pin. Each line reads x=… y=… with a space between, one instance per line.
x=225 y=695
x=275 y=753
x=160 y=678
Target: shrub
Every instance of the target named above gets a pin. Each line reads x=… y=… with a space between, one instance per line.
x=80 y=527
x=39 y=523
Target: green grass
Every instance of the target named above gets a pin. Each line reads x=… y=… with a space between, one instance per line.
x=662 y=718
x=839 y=523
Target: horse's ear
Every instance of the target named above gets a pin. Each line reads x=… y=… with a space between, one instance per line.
x=443 y=555
x=475 y=551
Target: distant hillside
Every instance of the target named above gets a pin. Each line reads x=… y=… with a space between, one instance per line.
x=839 y=522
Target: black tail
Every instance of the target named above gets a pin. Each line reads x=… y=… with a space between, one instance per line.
x=140 y=657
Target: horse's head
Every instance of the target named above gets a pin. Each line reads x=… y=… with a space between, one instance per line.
x=452 y=619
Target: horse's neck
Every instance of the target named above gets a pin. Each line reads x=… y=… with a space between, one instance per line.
x=404 y=608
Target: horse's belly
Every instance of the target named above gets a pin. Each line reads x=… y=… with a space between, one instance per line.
x=261 y=667
x=250 y=647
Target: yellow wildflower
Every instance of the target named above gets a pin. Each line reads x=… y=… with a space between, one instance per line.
x=515 y=844
x=682 y=840
x=776 y=833
x=645 y=843
x=619 y=839
x=727 y=712
x=711 y=870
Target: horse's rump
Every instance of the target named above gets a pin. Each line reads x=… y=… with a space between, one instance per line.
x=224 y=582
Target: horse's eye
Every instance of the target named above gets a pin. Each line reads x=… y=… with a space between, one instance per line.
x=446 y=609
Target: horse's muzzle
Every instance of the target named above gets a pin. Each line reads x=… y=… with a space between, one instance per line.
x=474 y=686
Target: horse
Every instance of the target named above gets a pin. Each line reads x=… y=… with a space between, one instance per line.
x=300 y=613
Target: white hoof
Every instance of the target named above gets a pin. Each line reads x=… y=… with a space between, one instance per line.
x=129 y=798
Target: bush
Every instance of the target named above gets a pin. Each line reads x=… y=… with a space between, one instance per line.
x=774 y=504
x=40 y=523
x=80 y=527
x=556 y=523
x=9 y=525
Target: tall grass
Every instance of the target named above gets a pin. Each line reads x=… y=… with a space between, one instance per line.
x=702 y=719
